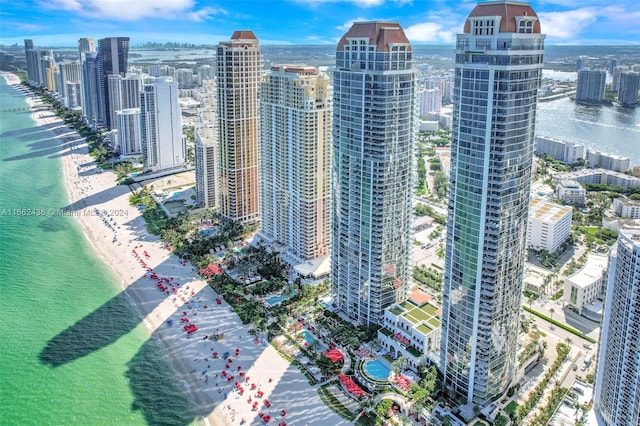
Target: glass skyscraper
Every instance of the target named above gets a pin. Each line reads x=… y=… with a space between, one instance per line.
x=113 y=56
x=617 y=387
x=498 y=66
x=373 y=142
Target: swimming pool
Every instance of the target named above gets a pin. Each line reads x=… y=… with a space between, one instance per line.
x=377 y=369
x=308 y=337
x=274 y=300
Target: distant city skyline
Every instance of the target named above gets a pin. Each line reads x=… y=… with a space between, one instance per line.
x=64 y=22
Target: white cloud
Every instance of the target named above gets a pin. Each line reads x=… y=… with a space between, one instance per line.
x=349 y=23
x=567 y=24
x=360 y=3
x=133 y=10
x=205 y=13
x=430 y=32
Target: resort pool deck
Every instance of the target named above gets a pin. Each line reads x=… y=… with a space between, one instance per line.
x=308 y=337
x=377 y=369
x=274 y=300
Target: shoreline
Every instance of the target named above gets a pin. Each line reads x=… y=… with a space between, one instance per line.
x=140 y=262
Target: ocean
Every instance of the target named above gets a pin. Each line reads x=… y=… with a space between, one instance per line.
x=73 y=349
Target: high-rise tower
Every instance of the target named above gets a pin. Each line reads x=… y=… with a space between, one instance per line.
x=206 y=147
x=296 y=158
x=238 y=68
x=113 y=54
x=374 y=122
x=617 y=386
x=498 y=66
x=163 y=146
x=628 y=88
x=590 y=86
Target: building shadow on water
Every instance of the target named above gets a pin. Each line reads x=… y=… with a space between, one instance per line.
x=159 y=395
x=97 y=330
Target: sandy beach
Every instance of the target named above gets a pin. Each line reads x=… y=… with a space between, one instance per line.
x=168 y=294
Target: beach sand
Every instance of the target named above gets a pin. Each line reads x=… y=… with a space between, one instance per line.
x=116 y=231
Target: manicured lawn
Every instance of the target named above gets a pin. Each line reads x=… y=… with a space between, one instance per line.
x=434 y=322
x=511 y=408
x=424 y=328
x=407 y=305
x=430 y=309
x=420 y=314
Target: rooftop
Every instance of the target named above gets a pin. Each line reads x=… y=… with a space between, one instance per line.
x=418 y=310
x=241 y=38
x=544 y=210
x=508 y=11
x=298 y=69
x=381 y=34
x=243 y=35
x=591 y=271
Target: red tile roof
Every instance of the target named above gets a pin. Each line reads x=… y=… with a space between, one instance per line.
x=379 y=33
x=508 y=10
x=243 y=35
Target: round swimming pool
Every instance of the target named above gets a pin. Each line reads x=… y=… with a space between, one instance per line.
x=377 y=369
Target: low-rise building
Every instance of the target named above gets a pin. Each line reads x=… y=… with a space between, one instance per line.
x=549 y=225
x=412 y=329
x=601 y=176
x=603 y=160
x=536 y=279
x=587 y=286
x=624 y=207
x=564 y=151
x=570 y=192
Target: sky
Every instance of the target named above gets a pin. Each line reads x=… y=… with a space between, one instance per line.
x=63 y=22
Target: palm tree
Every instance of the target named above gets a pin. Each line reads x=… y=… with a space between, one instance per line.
x=551 y=312
x=399 y=364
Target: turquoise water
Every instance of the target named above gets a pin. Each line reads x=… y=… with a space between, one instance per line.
x=274 y=300
x=377 y=369
x=73 y=350
x=308 y=337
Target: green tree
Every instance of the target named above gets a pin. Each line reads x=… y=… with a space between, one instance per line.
x=399 y=364
x=384 y=407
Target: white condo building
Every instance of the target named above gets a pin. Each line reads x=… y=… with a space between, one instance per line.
x=571 y=192
x=70 y=72
x=587 y=285
x=129 y=134
x=124 y=93
x=549 y=225
x=603 y=160
x=184 y=77
x=163 y=146
x=625 y=207
x=617 y=384
x=565 y=151
x=430 y=100
x=206 y=148
x=374 y=124
x=498 y=67
x=296 y=160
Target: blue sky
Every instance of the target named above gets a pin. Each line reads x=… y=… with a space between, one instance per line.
x=63 y=22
